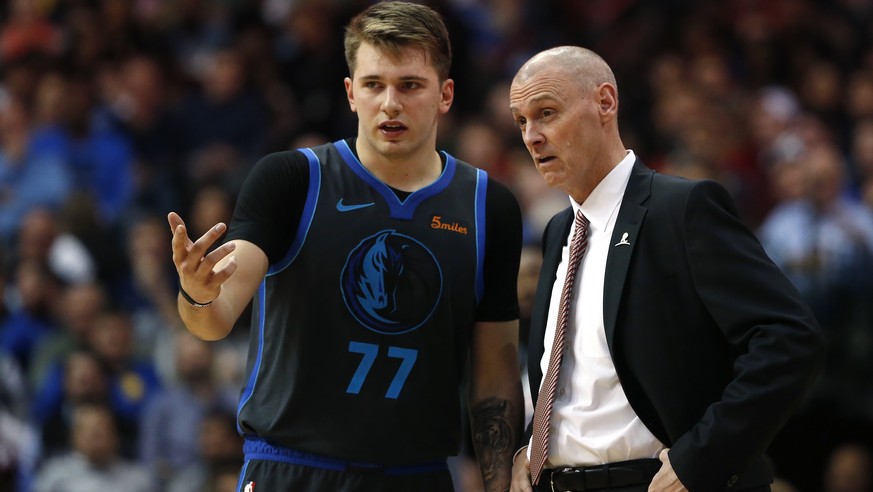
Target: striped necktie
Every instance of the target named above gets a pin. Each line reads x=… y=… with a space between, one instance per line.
x=542 y=414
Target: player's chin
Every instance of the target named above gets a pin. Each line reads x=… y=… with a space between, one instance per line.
x=395 y=147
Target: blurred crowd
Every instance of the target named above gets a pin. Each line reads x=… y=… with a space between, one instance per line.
x=114 y=112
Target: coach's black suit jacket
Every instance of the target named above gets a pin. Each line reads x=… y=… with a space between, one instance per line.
x=712 y=344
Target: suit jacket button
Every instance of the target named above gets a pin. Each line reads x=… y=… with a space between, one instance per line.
x=732 y=481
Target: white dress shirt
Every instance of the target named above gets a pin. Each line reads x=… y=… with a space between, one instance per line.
x=592 y=421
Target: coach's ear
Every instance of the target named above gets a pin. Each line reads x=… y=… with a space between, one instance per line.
x=607 y=99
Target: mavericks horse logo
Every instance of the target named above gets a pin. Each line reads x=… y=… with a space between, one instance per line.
x=391 y=283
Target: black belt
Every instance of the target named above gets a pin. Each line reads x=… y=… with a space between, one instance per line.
x=599 y=477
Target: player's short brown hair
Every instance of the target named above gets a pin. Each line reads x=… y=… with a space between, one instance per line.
x=393 y=26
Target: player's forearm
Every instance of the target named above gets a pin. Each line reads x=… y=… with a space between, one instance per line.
x=212 y=322
x=496 y=429
x=215 y=321
x=496 y=402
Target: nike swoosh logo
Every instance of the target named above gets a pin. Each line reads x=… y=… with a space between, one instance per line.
x=346 y=208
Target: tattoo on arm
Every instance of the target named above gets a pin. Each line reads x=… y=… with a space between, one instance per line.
x=494 y=437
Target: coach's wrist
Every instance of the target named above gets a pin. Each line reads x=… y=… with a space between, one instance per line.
x=520 y=450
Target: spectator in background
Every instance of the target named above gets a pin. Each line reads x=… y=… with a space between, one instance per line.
x=42 y=239
x=820 y=90
x=861 y=158
x=479 y=142
x=100 y=158
x=823 y=241
x=219 y=456
x=93 y=463
x=858 y=100
x=19 y=439
x=27 y=31
x=133 y=378
x=30 y=175
x=76 y=311
x=212 y=203
x=145 y=289
x=306 y=42
x=138 y=95
x=538 y=201
x=774 y=111
x=220 y=125
x=76 y=379
x=177 y=414
x=30 y=313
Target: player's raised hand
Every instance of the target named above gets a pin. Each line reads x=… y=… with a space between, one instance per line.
x=200 y=273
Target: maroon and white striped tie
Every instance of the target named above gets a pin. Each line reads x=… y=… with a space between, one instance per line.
x=539 y=450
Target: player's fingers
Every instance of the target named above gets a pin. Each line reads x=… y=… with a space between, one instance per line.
x=181 y=233
x=174 y=220
x=210 y=260
x=223 y=272
x=198 y=250
x=206 y=285
x=180 y=245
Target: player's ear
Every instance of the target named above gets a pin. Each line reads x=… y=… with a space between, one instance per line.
x=447 y=95
x=350 y=93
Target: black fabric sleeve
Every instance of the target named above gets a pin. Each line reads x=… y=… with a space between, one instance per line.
x=270 y=203
x=503 y=238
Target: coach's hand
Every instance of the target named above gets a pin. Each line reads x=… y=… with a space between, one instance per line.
x=666 y=480
x=521 y=474
x=198 y=275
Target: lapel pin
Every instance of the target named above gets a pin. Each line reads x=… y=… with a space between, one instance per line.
x=623 y=240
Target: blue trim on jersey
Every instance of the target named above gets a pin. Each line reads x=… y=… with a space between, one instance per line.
x=258 y=449
x=256 y=367
x=308 y=213
x=399 y=209
x=481 y=192
x=242 y=476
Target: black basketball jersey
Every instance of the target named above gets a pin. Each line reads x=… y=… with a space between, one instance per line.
x=361 y=333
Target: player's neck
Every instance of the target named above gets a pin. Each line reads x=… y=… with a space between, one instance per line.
x=407 y=171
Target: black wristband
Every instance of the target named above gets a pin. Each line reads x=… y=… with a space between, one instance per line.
x=192 y=301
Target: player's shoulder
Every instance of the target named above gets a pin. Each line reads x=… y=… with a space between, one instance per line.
x=280 y=158
x=280 y=165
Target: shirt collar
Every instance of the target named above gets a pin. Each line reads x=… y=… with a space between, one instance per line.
x=602 y=202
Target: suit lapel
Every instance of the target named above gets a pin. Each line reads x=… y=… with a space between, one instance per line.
x=623 y=243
